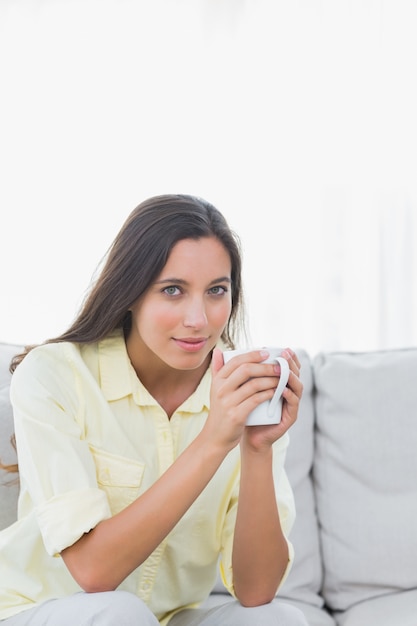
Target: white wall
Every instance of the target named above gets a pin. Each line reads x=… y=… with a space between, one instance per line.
x=297 y=119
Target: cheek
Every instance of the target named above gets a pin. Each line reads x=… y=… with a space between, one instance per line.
x=160 y=316
x=222 y=313
x=148 y=318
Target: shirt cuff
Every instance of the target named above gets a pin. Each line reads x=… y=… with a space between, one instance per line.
x=65 y=518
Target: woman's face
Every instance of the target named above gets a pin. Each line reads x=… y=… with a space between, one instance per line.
x=184 y=312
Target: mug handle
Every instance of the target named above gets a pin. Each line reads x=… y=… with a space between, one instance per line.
x=283 y=379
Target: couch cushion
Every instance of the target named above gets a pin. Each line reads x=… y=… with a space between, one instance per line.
x=8 y=482
x=305 y=578
x=394 y=609
x=365 y=474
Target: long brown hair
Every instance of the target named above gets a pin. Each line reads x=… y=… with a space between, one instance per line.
x=137 y=256
x=134 y=260
x=12 y=467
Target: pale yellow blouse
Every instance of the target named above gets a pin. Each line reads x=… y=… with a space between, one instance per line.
x=91 y=439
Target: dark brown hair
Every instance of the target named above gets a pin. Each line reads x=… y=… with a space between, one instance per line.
x=13 y=467
x=137 y=256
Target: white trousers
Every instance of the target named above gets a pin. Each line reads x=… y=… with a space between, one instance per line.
x=276 y=613
x=120 y=608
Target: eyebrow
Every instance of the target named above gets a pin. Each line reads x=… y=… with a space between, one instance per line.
x=181 y=281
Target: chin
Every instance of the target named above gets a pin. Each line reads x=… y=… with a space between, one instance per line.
x=192 y=362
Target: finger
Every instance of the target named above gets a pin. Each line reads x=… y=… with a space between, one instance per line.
x=292 y=402
x=293 y=356
x=216 y=360
x=293 y=360
x=253 y=392
x=248 y=365
x=254 y=356
x=295 y=384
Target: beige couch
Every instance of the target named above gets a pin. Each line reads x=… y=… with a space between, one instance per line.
x=352 y=463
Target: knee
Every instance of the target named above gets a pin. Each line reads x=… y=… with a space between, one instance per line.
x=288 y=614
x=121 y=608
x=276 y=613
x=284 y=614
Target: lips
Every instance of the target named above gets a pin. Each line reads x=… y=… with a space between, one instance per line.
x=191 y=344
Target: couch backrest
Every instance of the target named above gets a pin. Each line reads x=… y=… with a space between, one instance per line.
x=8 y=482
x=365 y=473
x=305 y=579
x=352 y=463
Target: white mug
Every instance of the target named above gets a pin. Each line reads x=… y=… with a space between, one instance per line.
x=268 y=412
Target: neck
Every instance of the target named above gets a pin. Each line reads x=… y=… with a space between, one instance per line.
x=170 y=387
x=171 y=391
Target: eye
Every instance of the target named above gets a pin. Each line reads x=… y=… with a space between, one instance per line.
x=218 y=290
x=172 y=290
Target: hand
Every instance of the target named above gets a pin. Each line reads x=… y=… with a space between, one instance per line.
x=262 y=437
x=241 y=385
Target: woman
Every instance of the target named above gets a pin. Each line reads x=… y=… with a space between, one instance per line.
x=137 y=471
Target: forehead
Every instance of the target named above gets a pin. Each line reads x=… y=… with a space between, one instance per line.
x=205 y=256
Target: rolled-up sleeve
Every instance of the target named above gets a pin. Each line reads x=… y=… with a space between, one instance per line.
x=57 y=470
x=65 y=518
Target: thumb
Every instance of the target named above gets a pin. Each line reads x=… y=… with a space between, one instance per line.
x=216 y=360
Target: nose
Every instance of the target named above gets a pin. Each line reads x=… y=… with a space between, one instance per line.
x=195 y=314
